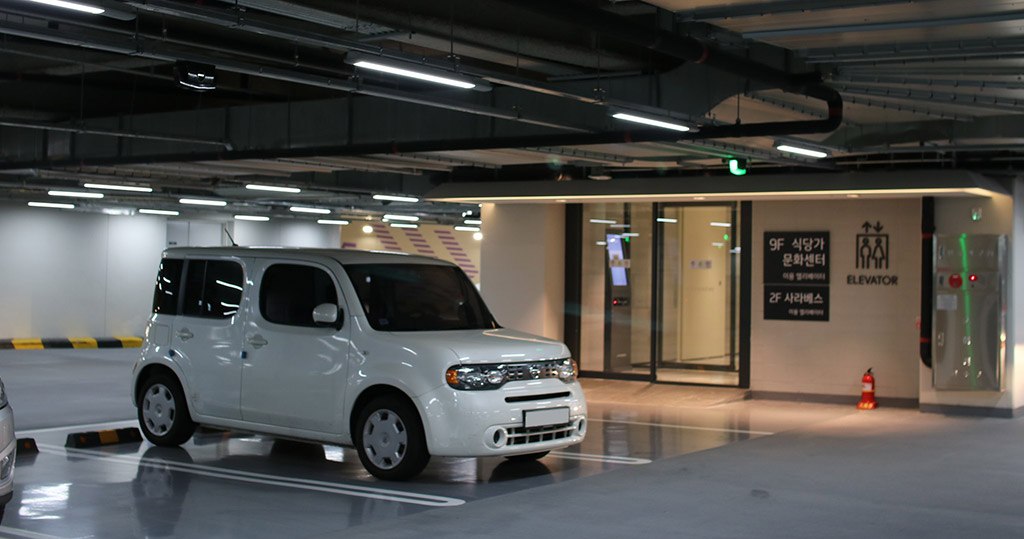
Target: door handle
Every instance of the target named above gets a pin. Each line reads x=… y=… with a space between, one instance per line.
x=257 y=341
x=184 y=334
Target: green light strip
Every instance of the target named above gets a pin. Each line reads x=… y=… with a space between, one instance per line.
x=967 y=310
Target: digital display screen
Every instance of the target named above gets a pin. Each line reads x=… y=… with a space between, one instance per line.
x=616 y=259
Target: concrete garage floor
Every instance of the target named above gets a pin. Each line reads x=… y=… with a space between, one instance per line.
x=659 y=461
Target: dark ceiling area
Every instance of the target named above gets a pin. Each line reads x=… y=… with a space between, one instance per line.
x=287 y=95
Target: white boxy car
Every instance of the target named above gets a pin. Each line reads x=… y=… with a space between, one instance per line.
x=395 y=355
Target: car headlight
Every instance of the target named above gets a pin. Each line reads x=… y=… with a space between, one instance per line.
x=3 y=395
x=493 y=376
x=476 y=376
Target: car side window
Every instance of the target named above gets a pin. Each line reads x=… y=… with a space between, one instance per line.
x=290 y=292
x=213 y=288
x=168 y=284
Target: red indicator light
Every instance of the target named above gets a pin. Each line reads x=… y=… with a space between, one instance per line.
x=973 y=277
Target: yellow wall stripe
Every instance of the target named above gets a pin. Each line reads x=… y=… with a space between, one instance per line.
x=83 y=342
x=27 y=344
x=130 y=342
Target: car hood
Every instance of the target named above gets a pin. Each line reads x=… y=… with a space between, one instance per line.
x=494 y=345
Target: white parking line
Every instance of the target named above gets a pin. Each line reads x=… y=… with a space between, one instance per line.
x=686 y=427
x=265 y=479
x=15 y=532
x=612 y=459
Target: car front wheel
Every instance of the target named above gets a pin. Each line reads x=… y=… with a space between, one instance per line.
x=163 y=412
x=390 y=439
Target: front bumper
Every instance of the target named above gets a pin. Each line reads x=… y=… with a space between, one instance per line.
x=7 y=455
x=484 y=423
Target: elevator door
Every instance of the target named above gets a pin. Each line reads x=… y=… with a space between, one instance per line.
x=698 y=291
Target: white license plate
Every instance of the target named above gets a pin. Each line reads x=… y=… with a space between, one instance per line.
x=540 y=418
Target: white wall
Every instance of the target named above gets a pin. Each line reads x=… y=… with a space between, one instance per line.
x=287 y=233
x=71 y=274
x=523 y=266
x=75 y=274
x=869 y=326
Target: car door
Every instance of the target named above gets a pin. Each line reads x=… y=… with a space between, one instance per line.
x=207 y=335
x=295 y=369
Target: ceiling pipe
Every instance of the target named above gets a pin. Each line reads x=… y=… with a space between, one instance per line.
x=23 y=124
x=693 y=50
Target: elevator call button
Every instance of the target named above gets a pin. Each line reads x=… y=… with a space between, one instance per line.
x=956 y=281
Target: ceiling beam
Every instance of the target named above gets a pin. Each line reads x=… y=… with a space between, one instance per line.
x=985 y=18
x=778 y=7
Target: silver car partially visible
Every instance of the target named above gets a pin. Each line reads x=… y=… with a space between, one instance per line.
x=9 y=443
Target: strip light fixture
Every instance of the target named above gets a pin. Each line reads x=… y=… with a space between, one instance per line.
x=202 y=202
x=789 y=148
x=55 y=205
x=415 y=71
x=649 y=121
x=404 y=225
x=667 y=220
x=468 y=228
x=473 y=222
x=107 y=187
x=395 y=198
x=71 y=5
x=159 y=212
x=76 y=194
x=272 y=188
x=260 y=218
x=340 y=222
x=720 y=224
x=301 y=209
x=396 y=217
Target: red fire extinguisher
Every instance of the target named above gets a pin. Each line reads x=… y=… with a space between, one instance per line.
x=867 y=392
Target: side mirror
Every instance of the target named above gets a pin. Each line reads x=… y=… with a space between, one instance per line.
x=328 y=314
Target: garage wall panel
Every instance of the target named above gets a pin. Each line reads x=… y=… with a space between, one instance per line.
x=870 y=325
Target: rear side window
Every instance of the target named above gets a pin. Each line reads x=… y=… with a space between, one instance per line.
x=168 y=284
x=289 y=293
x=418 y=297
x=213 y=288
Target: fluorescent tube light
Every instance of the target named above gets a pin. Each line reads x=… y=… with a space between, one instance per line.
x=252 y=217
x=391 y=217
x=723 y=225
x=404 y=225
x=602 y=221
x=132 y=188
x=159 y=212
x=116 y=211
x=202 y=202
x=76 y=194
x=376 y=66
x=649 y=121
x=394 y=198
x=630 y=235
x=667 y=220
x=802 y=151
x=52 y=205
x=332 y=222
x=71 y=5
x=473 y=222
x=300 y=209
x=468 y=228
x=274 y=188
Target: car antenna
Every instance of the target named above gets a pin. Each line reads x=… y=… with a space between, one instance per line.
x=233 y=244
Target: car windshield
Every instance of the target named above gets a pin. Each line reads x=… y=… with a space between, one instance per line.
x=418 y=297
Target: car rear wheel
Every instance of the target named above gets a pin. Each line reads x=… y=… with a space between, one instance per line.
x=163 y=412
x=390 y=440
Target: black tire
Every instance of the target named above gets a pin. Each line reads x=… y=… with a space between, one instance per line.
x=163 y=411
x=389 y=439
x=528 y=457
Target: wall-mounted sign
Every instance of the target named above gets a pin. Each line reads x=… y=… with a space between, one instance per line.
x=796 y=257
x=796 y=276
x=872 y=255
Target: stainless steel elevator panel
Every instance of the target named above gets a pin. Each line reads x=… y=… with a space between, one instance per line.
x=969 y=316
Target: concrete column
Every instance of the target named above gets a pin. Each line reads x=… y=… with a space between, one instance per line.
x=522 y=261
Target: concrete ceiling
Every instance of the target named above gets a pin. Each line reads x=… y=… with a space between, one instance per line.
x=94 y=98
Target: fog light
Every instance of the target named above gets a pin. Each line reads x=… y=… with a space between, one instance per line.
x=581 y=427
x=6 y=465
x=497 y=438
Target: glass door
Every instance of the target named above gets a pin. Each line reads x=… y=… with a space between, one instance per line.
x=698 y=294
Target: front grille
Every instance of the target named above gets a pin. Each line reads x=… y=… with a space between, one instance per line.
x=546 y=396
x=533 y=435
x=533 y=370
